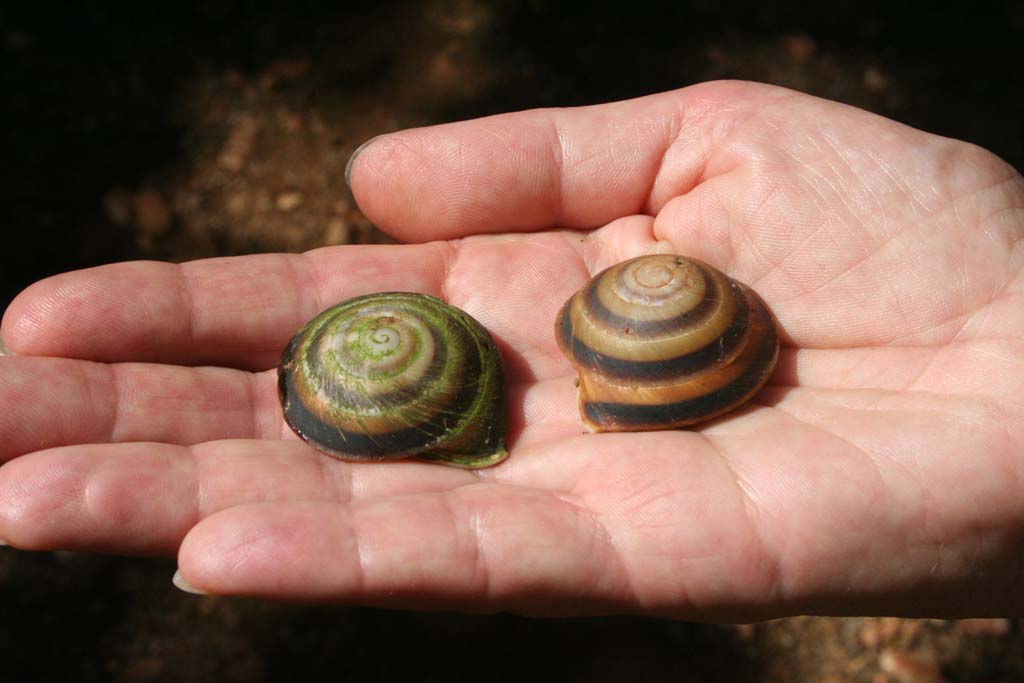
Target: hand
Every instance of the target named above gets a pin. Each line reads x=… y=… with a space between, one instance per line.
x=881 y=471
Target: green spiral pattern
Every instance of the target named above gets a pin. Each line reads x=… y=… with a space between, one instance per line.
x=392 y=375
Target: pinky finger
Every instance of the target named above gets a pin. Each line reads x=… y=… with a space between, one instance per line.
x=480 y=548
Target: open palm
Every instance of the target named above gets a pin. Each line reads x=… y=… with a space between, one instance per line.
x=881 y=470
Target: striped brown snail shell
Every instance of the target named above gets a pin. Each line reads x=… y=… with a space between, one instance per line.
x=393 y=375
x=665 y=341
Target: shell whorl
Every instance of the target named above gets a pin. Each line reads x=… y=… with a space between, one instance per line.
x=665 y=341
x=386 y=376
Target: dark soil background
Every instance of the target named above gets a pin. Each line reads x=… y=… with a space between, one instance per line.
x=211 y=127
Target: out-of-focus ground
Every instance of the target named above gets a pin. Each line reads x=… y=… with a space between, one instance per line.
x=213 y=127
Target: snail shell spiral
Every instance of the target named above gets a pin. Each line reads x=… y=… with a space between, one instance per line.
x=392 y=375
x=665 y=341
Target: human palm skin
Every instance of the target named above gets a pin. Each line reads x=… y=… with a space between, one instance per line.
x=880 y=471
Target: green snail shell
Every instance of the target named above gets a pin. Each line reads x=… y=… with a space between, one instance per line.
x=392 y=375
x=665 y=341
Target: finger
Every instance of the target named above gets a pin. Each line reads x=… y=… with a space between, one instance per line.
x=482 y=547
x=242 y=312
x=544 y=168
x=141 y=498
x=51 y=402
x=231 y=311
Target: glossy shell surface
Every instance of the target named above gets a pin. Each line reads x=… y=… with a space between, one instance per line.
x=392 y=375
x=665 y=341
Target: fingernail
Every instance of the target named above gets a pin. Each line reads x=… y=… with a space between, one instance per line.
x=184 y=585
x=351 y=159
x=3 y=542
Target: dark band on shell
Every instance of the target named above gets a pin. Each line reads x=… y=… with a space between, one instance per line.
x=393 y=375
x=665 y=341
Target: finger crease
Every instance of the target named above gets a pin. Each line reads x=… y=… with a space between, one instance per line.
x=475 y=545
x=360 y=580
x=117 y=387
x=769 y=562
x=251 y=393
x=557 y=153
x=189 y=304
x=306 y=281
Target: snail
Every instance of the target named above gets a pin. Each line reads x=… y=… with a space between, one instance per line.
x=665 y=341
x=393 y=375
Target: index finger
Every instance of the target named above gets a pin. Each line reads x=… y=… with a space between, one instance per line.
x=530 y=170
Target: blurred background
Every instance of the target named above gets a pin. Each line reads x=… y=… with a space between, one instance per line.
x=211 y=127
